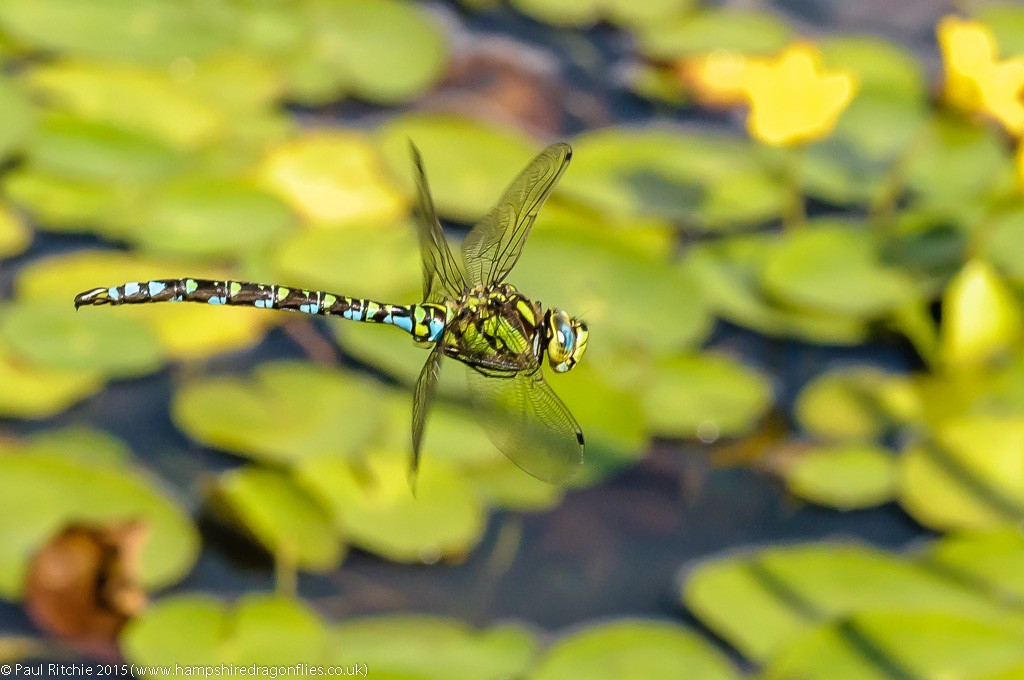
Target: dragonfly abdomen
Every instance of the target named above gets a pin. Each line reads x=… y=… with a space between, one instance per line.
x=425 y=322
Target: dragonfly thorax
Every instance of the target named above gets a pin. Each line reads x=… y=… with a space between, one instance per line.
x=565 y=338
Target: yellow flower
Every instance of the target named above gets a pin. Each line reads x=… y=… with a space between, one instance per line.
x=792 y=99
x=717 y=78
x=977 y=81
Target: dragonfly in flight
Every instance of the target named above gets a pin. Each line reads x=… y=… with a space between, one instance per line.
x=469 y=313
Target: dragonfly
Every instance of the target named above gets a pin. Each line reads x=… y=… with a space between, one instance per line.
x=469 y=313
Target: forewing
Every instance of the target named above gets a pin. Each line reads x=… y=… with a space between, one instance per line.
x=527 y=421
x=423 y=398
x=442 y=277
x=493 y=246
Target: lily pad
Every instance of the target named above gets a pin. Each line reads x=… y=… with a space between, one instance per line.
x=16 y=117
x=34 y=391
x=468 y=163
x=373 y=507
x=587 y=12
x=212 y=218
x=845 y=477
x=693 y=395
x=760 y=603
x=1005 y=242
x=80 y=445
x=14 y=233
x=819 y=266
x=707 y=30
x=879 y=645
x=54 y=336
x=855 y=403
x=200 y=630
x=280 y=515
x=968 y=476
x=43 y=492
x=287 y=412
x=994 y=560
x=414 y=647
x=332 y=177
x=981 y=318
x=153 y=31
x=184 y=330
x=633 y=650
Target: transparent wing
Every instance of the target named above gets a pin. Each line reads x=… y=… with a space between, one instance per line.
x=422 y=399
x=442 y=276
x=493 y=247
x=527 y=421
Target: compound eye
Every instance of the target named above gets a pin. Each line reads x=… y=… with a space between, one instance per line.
x=566 y=336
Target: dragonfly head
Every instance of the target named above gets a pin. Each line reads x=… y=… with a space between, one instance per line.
x=566 y=339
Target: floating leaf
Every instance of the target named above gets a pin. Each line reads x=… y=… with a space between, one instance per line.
x=184 y=330
x=80 y=445
x=761 y=602
x=468 y=164
x=331 y=176
x=994 y=560
x=713 y=29
x=819 y=266
x=981 y=318
x=14 y=233
x=54 y=336
x=632 y=650
x=44 y=492
x=373 y=507
x=704 y=395
x=587 y=12
x=968 y=476
x=74 y=205
x=1005 y=243
x=880 y=645
x=845 y=477
x=416 y=647
x=152 y=31
x=288 y=411
x=855 y=403
x=16 y=117
x=33 y=391
x=212 y=218
x=281 y=516
x=200 y=630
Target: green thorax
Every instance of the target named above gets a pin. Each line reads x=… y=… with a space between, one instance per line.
x=496 y=328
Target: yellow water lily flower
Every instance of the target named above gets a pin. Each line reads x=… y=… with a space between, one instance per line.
x=717 y=78
x=793 y=99
x=977 y=81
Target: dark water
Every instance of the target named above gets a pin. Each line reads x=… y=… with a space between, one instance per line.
x=613 y=550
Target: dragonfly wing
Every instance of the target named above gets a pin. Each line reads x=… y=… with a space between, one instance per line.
x=527 y=421
x=442 y=276
x=423 y=398
x=493 y=246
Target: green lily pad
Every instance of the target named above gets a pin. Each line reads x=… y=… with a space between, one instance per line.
x=200 y=630
x=839 y=172
x=415 y=647
x=385 y=51
x=856 y=403
x=994 y=560
x=957 y=161
x=34 y=391
x=74 y=205
x=503 y=485
x=184 y=330
x=387 y=268
x=468 y=163
x=633 y=650
x=713 y=29
x=881 y=645
x=818 y=268
x=675 y=175
x=968 y=476
x=153 y=31
x=1005 y=242
x=704 y=395
x=80 y=445
x=1006 y=21
x=760 y=603
x=729 y=274
x=374 y=508
x=43 y=492
x=53 y=335
x=15 y=235
x=212 y=218
x=148 y=101
x=588 y=12
x=394 y=352
x=78 y=148
x=845 y=477
x=287 y=412
x=16 y=117
x=280 y=515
